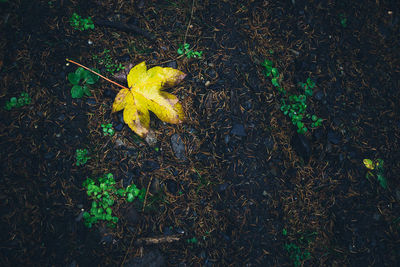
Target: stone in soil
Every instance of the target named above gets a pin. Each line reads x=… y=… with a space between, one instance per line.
x=172 y=186
x=333 y=137
x=302 y=146
x=119 y=127
x=222 y=187
x=90 y=101
x=132 y=216
x=172 y=64
x=238 y=129
x=318 y=134
x=319 y=95
x=178 y=147
x=155 y=186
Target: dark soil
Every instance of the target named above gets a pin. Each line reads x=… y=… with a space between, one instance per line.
x=236 y=175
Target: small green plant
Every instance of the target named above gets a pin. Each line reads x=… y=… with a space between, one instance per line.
x=184 y=49
x=343 y=20
x=81 y=156
x=271 y=71
x=80 y=79
x=192 y=240
x=376 y=169
x=294 y=106
x=14 y=102
x=295 y=252
x=106 y=60
x=104 y=194
x=296 y=255
x=108 y=129
x=308 y=86
x=81 y=24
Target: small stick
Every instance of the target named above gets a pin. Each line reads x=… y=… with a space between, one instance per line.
x=190 y=21
x=156 y=240
x=98 y=74
x=147 y=192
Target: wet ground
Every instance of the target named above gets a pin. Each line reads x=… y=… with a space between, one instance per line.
x=235 y=184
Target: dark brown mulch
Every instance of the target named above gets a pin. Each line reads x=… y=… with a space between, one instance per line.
x=245 y=187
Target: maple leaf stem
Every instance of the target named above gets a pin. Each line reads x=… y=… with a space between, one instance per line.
x=98 y=74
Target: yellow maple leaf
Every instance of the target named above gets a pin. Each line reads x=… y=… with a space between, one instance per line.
x=145 y=93
x=369 y=164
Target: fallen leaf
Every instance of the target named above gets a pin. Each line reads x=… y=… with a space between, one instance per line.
x=145 y=93
x=369 y=164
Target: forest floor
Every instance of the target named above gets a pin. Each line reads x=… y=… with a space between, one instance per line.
x=235 y=184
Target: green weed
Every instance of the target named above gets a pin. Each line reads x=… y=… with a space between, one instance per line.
x=80 y=79
x=104 y=194
x=294 y=106
x=184 y=49
x=81 y=24
x=376 y=169
x=108 y=129
x=296 y=254
x=343 y=20
x=14 y=102
x=106 y=60
x=81 y=156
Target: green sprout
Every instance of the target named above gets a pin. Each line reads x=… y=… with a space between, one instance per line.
x=80 y=79
x=104 y=194
x=308 y=86
x=271 y=71
x=81 y=156
x=376 y=168
x=106 y=60
x=343 y=20
x=293 y=106
x=192 y=240
x=14 y=102
x=184 y=49
x=108 y=129
x=81 y=24
x=296 y=255
x=284 y=232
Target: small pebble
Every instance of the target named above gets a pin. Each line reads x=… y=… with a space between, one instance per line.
x=319 y=95
x=172 y=64
x=172 y=186
x=238 y=129
x=333 y=137
x=119 y=127
x=179 y=231
x=222 y=187
x=227 y=138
